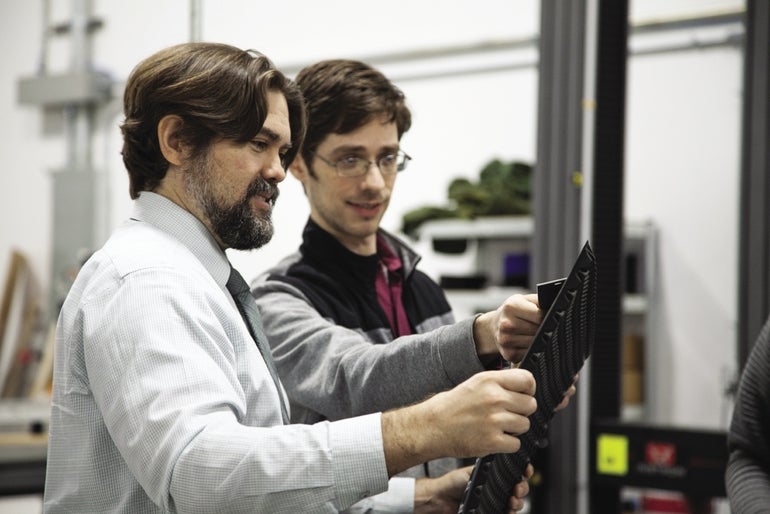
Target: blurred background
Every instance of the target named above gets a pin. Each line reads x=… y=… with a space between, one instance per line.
x=491 y=80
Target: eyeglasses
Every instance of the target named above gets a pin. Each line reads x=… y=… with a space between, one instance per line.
x=352 y=166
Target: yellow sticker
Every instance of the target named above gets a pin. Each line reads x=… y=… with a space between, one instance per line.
x=612 y=454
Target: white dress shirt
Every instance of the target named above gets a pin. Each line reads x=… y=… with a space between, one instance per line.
x=162 y=402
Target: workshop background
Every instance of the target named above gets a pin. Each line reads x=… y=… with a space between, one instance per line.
x=471 y=75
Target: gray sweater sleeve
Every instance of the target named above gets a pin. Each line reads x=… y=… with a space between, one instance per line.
x=337 y=372
x=748 y=469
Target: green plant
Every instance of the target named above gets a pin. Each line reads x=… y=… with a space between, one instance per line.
x=503 y=188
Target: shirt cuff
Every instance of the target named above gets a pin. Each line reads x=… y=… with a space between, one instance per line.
x=358 y=458
x=398 y=499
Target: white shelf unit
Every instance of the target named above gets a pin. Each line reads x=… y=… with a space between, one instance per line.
x=478 y=246
x=488 y=240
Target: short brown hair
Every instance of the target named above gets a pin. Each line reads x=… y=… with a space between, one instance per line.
x=342 y=95
x=219 y=91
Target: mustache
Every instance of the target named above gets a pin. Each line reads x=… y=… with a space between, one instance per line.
x=265 y=188
x=368 y=196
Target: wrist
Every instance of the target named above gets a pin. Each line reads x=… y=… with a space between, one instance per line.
x=484 y=336
x=424 y=494
x=441 y=494
x=407 y=437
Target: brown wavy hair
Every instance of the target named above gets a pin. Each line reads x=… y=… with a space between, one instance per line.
x=342 y=95
x=219 y=91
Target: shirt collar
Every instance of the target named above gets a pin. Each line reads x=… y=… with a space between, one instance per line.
x=169 y=217
x=319 y=244
x=387 y=255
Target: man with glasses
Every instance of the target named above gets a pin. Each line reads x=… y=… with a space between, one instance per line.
x=330 y=308
x=164 y=395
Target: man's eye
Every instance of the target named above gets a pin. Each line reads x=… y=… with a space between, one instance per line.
x=348 y=162
x=259 y=146
x=389 y=159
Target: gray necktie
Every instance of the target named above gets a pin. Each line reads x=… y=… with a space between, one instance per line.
x=250 y=314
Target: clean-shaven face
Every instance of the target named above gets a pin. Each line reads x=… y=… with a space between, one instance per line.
x=351 y=208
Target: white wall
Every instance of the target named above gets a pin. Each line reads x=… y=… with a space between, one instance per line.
x=682 y=172
x=446 y=140
x=682 y=140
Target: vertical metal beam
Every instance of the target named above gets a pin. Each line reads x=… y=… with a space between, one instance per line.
x=196 y=20
x=607 y=224
x=557 y=206
x=75 y=186
x=589 y=106
x=559 y=146
x=754 y=252
x=79 y=117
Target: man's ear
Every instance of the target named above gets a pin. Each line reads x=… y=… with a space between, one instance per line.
x=168 y=138
x=298 y=168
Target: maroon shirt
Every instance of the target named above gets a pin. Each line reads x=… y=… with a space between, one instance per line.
x=389 y=284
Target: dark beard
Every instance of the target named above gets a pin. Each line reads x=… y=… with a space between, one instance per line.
x=236 y=226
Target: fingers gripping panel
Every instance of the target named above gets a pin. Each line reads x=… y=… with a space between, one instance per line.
x=558 y=351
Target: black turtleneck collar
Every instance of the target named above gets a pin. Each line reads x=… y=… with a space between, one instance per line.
x=320 y=246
